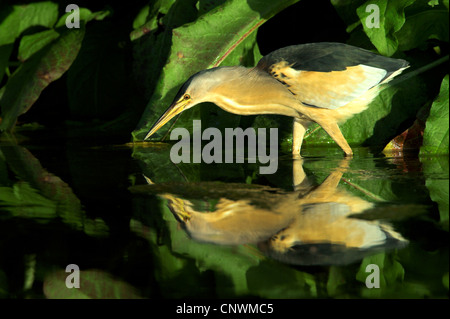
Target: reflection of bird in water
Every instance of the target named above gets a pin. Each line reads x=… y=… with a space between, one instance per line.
x=308 y=226
x=323 y=217
x=322 y=231
x=326 y=83
x=231 y=221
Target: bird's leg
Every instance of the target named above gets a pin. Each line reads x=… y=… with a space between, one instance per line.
x=298 y=174
x=333 y=130
x=328 y=187
x=299 y=129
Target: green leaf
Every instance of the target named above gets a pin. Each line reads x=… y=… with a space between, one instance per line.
x=423 y=23
x=273 y=280
x=157 y=166
x=142 y=16
x=445 y=280
x=372 y=186
x=439 y=192
x=16 y=19
x=30 y=44
x=148 y=18
x=5 y=52
x=336 y=279
x=220 y=31
x=22 y=200
x=435 y=136
x=391 y=20
x=436 y=172
x=94 y=284
x=27 y=82
x=152 y=41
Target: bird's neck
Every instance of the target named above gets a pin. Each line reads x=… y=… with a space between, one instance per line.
x=255 y=93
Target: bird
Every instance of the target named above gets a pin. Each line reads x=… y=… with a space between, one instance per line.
x=325 y=82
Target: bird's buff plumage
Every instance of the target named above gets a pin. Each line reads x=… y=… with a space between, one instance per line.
x=326 y=83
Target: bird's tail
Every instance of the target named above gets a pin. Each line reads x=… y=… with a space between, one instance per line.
x=415 y=72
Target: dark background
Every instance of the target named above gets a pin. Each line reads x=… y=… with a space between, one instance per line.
x=294 y=25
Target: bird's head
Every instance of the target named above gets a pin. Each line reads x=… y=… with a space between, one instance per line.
x=197 y=89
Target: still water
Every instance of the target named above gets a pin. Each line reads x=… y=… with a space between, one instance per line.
x=138 y=226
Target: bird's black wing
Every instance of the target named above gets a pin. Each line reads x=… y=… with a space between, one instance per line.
x=330 y=56
x=329 y=75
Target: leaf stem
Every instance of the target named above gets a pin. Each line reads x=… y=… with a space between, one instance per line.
x=235 y=44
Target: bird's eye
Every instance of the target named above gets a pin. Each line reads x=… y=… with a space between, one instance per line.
x=186 y=97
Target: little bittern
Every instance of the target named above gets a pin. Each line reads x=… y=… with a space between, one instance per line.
x=326 y=83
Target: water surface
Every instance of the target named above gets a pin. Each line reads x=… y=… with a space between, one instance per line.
x=138 y=226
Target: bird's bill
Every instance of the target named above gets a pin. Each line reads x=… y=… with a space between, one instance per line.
x=174 y=109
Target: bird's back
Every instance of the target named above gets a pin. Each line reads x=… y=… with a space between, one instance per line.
x=329 y=56
x=329 y=75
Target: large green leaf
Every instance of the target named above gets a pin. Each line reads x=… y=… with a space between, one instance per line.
x=48 y=55
x=30 y=44
x=152 y=40
x=27 y=82
x=423 y=22
x=203 y=44
x=391 y=19
x=16 y=19
x=435 y=136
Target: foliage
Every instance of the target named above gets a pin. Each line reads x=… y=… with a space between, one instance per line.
x=44 y=55
x=40 y=195
x=435 y=139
